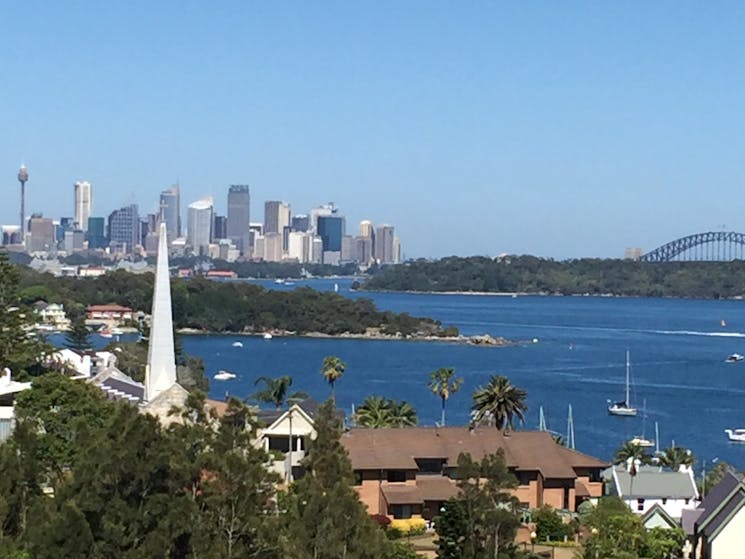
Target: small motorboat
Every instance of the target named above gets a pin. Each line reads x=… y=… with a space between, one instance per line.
x=267 y=336
x=642 y=442
x=736 y=435
x=734 y=358
x=237 y=344
x=224 y=375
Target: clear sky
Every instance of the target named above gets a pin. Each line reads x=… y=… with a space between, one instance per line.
x=560 y=129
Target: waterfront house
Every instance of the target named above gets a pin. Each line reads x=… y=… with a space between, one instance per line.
x=408 y=472
x=109 y=313
x=52 y=315
x=652 y=486
x=716 y=528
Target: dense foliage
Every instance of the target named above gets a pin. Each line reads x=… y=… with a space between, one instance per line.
x=482 y=522
x=19 y=352
x=85 y=477
x=229 y=306
x=528 y=274
x=618 y=533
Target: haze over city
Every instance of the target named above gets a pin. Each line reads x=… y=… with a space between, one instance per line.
x=570 y=130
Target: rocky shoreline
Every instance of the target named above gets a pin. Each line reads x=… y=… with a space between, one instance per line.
x=484 y=340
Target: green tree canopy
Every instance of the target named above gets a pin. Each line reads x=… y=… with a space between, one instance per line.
x=377 y=412
x=499 y=403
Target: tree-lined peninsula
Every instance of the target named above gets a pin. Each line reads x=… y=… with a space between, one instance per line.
x=529 y=274
x=233 y=307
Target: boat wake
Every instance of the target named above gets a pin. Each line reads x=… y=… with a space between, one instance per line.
x=697 y=333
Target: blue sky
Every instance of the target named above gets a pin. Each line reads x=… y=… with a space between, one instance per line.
x=560 y=129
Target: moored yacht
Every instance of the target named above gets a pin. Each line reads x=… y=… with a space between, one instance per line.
x=624 y=408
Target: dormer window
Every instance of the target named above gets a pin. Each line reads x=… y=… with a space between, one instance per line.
x=429 y=465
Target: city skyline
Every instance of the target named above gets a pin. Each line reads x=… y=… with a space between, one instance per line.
x=574 y=130
x=319 y=236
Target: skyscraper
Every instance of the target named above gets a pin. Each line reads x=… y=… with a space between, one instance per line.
x=124 y=227
x=276 y=216
x=83 y=204
x=384 y=250
x=170 y=204
x=42 y=234
x=199 y=225
x=331 y=231
x=300 y=222
x=239 y=216
x=96 y=232
x=220 y=229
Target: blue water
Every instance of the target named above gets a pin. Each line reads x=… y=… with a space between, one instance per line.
x=677 y=352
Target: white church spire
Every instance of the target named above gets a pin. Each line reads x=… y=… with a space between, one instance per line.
x=160 y=374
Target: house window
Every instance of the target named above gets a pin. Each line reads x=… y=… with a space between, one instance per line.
x=640 y=504
x=664 y=500
x=396 y=475
x=687 y=501
x=595 y=476
x=401 y=511
x=523 y=478
x=357 y=477
x=429 y=465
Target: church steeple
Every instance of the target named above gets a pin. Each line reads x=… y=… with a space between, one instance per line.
x=160 y=374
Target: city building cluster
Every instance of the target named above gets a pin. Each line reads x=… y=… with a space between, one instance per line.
x=319 y=236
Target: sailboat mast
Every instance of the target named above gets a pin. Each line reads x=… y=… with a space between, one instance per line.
x=628 y=376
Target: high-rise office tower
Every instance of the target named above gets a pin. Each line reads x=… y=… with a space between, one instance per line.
x=41 y=235
x=96 y=233
x=276 y=216
x=324 y=210
x=83 y=204
x=366 y=228
x=170 y=206
x=239 y=216
x=384 y=252
x=199 y=225
x=124 y=227
x=300 y=222
x=331 y=231
x=220 y=228
x=363 y=250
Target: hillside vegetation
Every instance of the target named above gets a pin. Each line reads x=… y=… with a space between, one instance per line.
x=230 y=306
x=528 y=274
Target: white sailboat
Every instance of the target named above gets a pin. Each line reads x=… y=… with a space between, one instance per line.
x=642 y=440
x=624 y=408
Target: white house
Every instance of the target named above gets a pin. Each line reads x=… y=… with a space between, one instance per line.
x=652 y=486
x=52 y=315
x=285 y=436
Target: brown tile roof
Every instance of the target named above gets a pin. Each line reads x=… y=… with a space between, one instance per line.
x=401 y=494
x=436 y=488
x=396 y=448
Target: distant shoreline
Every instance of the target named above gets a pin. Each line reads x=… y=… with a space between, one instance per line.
x=478 y=340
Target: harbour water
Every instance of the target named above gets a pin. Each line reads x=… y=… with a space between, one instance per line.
x=677 y=350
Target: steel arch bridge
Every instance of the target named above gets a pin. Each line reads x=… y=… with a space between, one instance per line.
x=711 y=246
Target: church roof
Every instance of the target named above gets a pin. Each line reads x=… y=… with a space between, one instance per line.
x=119 y=386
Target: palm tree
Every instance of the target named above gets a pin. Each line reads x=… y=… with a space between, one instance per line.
x=631 y=451
x=276 y=390
x=442 y=383
x=675 y=456
x=377 y=412
x=498 y=403
x=332 y=370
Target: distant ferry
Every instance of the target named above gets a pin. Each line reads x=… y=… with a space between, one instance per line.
x=224 y=375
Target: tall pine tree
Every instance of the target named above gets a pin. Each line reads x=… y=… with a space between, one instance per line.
x=325 y=518
x=20 y=349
